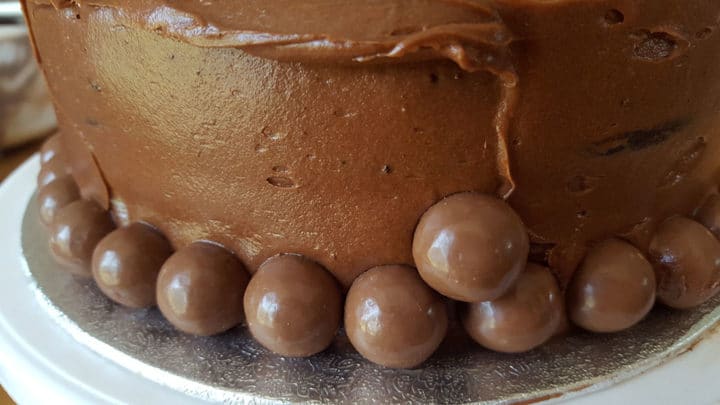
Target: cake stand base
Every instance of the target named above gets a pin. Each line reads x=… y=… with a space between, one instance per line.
x=233 y=368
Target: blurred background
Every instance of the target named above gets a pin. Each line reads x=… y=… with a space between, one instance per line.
x=26 y=114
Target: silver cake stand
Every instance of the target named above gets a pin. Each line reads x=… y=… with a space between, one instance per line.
x=233 y=368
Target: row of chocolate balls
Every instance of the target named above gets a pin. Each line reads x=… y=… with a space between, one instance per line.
x=292 y=305
x=473 y=248
x=469 y=247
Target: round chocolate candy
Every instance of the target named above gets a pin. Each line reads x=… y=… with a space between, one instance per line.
x=51 y=170
x=75 y=231
x=470 y=247
x=51 y=148
x=393 y=318
x=709 y=214
x=200 y=289
x=126 y=264
x=55 y=195
x=686 y=257
x=613 y=289
x=525 y=317
x=293 y=306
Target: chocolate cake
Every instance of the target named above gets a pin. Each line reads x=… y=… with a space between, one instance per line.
x=525 y=159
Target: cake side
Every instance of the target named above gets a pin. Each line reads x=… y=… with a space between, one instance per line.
x=617 y=128
x=498 y=135
x=338 y=162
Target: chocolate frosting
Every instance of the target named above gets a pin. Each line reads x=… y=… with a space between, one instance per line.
x=329 y=130
x=327 y=30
